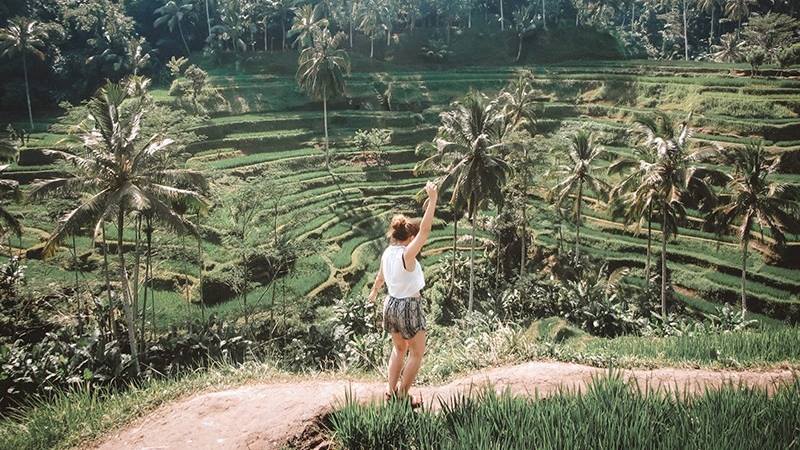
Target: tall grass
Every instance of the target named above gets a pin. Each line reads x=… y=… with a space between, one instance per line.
x=746 y=349
x=611 y=414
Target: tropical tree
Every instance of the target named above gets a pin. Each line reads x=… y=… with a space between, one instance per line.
x=524 y=24
x=675 y=180
x=637 y=203
x=23 y=37
x=321 y=72
x=173 y=14
x=371 y=21
x=578 y=174
x=770 y=33
x=709 y=6
x=753 y=200
x=737 y=10
x=282 y=9
x=208 y=15
x=471 y=133
x=120 y=171
x=307 y=21
x=685 y=28
x=518 y=107
x=518 y=102
x=502 y=17
x=730 y=49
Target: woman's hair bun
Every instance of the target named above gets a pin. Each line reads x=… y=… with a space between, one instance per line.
x=401 y=228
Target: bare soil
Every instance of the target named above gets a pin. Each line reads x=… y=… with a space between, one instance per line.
x=268 y=416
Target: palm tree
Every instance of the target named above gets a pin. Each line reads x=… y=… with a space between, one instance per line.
x=582 y=153
x=638 y=202
x=518 y=101
x=321 y=72
x=282 y=8
x=752 y=199
x=518 y=107
x=208 y=17
x=709 y=6
x=674 y=180
x=470 y=133
x=120 y=172
x=371 y=22
x=307 y=21
x=21 y=37
x=524 y=24
x=737 y=10
x=173 y=13
x=9 y=190
x=730 y=49
x=502 y=18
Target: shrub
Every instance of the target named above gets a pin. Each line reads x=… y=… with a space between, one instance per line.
x=371 y=144
x=357 y=336
x=436 y=50
x=789 y=56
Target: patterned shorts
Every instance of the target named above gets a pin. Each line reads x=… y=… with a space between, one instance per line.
x=404 y=316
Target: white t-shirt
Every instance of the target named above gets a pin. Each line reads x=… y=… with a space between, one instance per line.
x=400 y=282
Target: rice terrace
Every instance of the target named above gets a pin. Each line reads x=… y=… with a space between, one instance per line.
x=593 y=215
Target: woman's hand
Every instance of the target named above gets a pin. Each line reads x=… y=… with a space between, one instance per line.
x=373 y=295
x=432 y=190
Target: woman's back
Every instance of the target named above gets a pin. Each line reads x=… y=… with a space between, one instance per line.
x=400 y=282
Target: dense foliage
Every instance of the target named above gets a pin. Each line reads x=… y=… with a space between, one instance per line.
x=63 y=50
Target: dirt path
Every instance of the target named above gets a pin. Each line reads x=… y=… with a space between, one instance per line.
x=265 y=416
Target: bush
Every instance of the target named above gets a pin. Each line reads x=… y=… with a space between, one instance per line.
x=789 y=56
x=358 y=338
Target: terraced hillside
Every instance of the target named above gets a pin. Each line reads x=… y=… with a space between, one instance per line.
x=269 y=127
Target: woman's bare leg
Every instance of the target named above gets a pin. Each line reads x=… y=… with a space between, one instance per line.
x=416 y=349
x=399 y=350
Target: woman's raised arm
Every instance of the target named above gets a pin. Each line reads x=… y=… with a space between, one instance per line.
x=413 y=249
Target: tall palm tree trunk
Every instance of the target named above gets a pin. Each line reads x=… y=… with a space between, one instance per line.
x=202 y=268
x=685 y=34
x=27 y=88
x=75 y=266
x=148 y=272
x=455 y=249
x=371 y=47
x=578 y=208
x=472 y=262
x=664 y=265
x=208 y=21
x=183 y=39
x=745 y=243
x=126 y=294
x=544 y=15
x=520 y=38
x=649 y=242
x=111 y=319
x=523 y=254
x=325 y=125
x=711 y=34
x=136 y=263
x=502 y=18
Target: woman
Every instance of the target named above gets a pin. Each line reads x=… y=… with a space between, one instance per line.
x=403 y=317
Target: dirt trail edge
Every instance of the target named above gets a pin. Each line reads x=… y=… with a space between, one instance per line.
x=266 y=416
